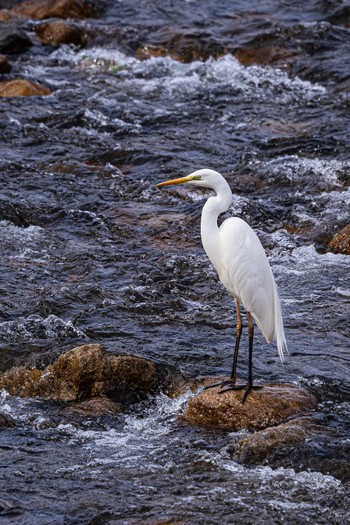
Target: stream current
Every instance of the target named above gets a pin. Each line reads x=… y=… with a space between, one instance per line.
x=93 y=252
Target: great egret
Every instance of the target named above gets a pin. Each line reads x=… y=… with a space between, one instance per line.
x=240 y=260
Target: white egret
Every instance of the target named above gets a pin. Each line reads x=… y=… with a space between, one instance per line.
x=243 y=268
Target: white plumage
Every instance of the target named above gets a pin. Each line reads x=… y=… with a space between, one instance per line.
x=242 y=265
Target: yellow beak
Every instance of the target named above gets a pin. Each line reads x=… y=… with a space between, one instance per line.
x=181 y=180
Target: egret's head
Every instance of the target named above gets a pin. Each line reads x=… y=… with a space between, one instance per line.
x=204 y=178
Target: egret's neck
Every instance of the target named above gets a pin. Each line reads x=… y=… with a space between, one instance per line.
x=210 y=213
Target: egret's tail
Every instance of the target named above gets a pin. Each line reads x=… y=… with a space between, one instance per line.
x=279 y=330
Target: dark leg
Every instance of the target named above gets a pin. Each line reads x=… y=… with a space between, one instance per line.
x=238 y=339
x=250 y=357
x=231 y=383
x=249 y=386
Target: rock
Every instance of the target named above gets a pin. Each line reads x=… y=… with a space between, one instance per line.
x=146 y=52
x=184 y=47
x=6 y=421
x=95 y=406
x=5 y=66
x=22 y=88
x=20 y=381
x=302 y=443
x=6 y=15
x=13 y=40
x=83 y=372
x=263 y=55
x=54 y=33
x=127 y=371
x=341 y=242
x=262 y=446
x=42 y=9
x=74 y=373
x=265 y=407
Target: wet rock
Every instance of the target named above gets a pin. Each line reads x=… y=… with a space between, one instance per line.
x=73 y=375
x=83 y=372
x=268 y=406
x=6 y=15
x=146 y=52
x=13 y=40
x=6 y=421
x=302 y=443
x=95 y=406
x=42 y=9
x=57 y=32
x=5 y=66
x=20 y=381
x=183 y=47
x=341 y=242
x=264 y=445
x=22 y=88
x=263 y=55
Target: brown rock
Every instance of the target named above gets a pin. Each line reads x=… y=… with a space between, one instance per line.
x=41 y=9
x=341 y=242
x=127 y=371
x=262 y=446
x=6 y=15
x=262 y=55
x=20 y=381
x=304 y=443
x=5 y=66
x=183 y=47
x=6 y=421
x=74 y=373
x=22 y=88
x=265 y=407
x=95 y=406
x=54 y=33
x=83 y=372
x=146 y=52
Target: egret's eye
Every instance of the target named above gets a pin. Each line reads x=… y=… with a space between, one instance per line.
x=197 y=177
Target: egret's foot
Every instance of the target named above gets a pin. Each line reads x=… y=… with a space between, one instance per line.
x=248 y=390
x=228 y=385
x=222 y=384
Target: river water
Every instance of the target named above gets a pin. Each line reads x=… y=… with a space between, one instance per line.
x=93 y=252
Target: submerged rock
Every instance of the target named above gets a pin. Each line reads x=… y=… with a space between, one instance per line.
x=302 y=443
x=81 y=373
x=41 y=9
x=22 y=88
x=5 y=66
x=13 y=40
x=341 y=242
x=6 y=421
x=270 y=405
x=58 y=32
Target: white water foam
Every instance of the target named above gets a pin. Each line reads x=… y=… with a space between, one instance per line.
x=27 y=328
x=165 y=75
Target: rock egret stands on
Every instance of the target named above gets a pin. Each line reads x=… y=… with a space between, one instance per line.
x=240 y=260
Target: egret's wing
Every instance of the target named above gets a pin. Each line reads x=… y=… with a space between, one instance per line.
x=246 y=273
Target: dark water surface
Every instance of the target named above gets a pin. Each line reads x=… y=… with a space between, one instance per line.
x=93 y=252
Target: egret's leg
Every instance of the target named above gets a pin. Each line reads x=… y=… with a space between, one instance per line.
x=238 y=339
x=231 y=383
x=250 y=357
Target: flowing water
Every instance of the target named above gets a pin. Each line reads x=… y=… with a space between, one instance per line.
x=93 y=252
